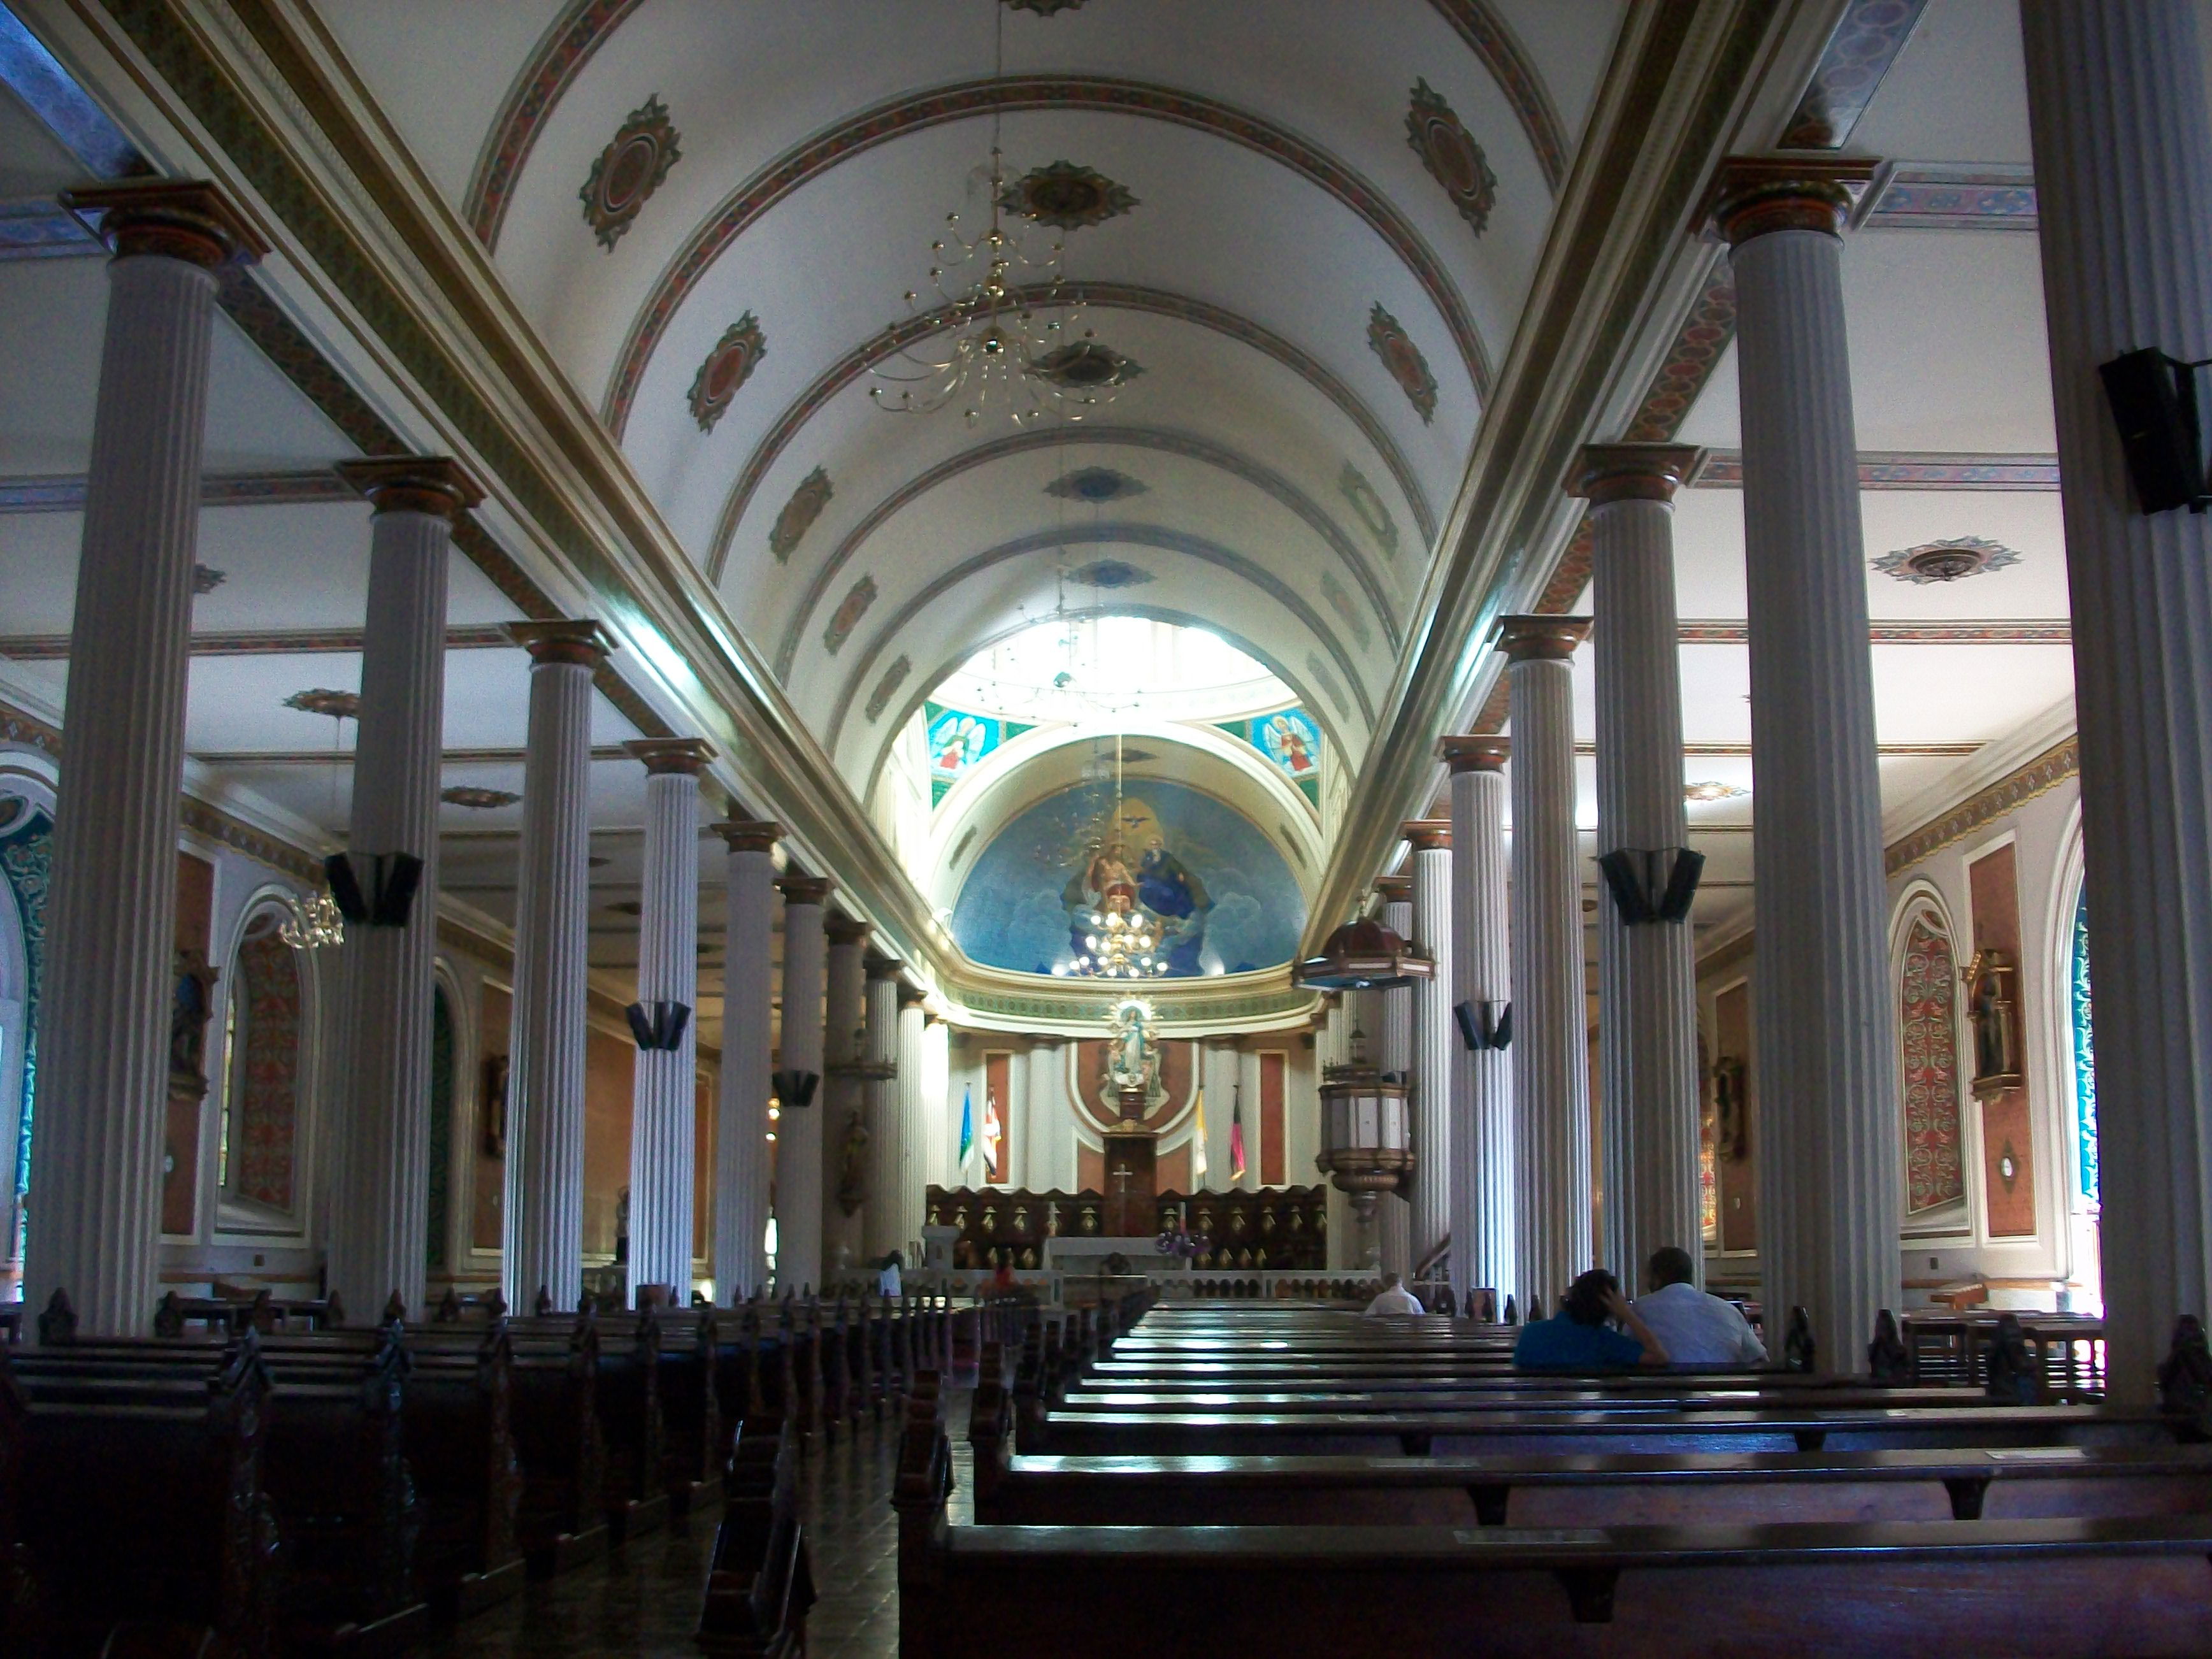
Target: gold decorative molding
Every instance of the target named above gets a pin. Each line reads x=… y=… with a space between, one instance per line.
x=2008 y=794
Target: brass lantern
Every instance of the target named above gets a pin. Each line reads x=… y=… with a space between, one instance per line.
x=1367 y=1143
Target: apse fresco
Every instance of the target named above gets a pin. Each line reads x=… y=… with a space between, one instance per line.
x=1213 y=887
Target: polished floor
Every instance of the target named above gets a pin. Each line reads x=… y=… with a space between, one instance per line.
x=644 y=1599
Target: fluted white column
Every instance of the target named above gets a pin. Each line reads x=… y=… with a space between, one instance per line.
x=881 y=1216
x=1829 y=1163
x=1647 y=973
x=663 y=1088
x=844 y=1042
x=798 y=1131
x=545 y=1225
x=2124 y=173
x=95 y=1197
x=1394 y=1212
x=1551 y=1006
x=741 y=1120
x=910 y=1175
x=1436 y=1041
x=1486 y=1161
x=941 y=1137
x=378 y=1243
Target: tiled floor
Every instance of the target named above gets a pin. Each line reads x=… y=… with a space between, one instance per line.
x=644 y=1600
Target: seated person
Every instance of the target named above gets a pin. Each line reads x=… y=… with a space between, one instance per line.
x=1395 y=1299
x=1577 y=1338
x=1697 y=1329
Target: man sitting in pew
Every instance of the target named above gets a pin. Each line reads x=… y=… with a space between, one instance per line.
x=1697 y=1329
x=1577 y=1338
x=1395 y=1299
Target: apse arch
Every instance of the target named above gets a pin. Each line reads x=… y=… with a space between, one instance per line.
x=1097 y=296
x=1196 y=547
x=1188 y=446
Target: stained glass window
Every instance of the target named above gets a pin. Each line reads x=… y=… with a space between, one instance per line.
x=2085 y=1054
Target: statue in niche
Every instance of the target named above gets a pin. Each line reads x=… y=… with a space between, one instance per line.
x=852 y=1166
x=188 y=1021
x=1996 y=1016
x=1132 y=1058
x=1730 y=1119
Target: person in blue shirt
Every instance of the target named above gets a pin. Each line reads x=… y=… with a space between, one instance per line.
x=1577 y=1338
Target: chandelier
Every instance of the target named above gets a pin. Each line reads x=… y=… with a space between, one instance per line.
x=313 y=923
x=980 y=339
x=1124 y=946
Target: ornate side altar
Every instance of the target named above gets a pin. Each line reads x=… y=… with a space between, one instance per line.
x=1280 y=1227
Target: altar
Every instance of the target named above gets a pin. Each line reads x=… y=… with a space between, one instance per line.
x=1086 y=1258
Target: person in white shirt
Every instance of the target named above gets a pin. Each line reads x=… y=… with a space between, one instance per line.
x=1395 y=1299
x=1697 y=1329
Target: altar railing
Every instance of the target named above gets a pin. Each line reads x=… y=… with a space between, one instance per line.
x=1285 y=1229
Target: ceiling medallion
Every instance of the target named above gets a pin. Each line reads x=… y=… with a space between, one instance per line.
x=629 y=170
x=320 y=700
x=886 y=688
x=799 y=514
x=728 y=366
x=1067 y=197
x=1367 y=507
x=1110 y=573
x=1946 y=561
x=477 y=800
x=206 y=578
x=1096 y=485
x=848 y=615
x=1712 y=790
x=1453 y=159
x=1387 y=336
x=1086 y=366
x=1044 y=8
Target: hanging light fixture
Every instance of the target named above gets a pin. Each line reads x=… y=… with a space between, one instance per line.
x=981 y=338
x=313 y=923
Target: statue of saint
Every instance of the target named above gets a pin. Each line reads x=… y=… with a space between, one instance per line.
x=1134 y=1061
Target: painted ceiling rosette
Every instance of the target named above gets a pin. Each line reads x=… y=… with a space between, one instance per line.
x=628 y=171
x=477 y=799
x=799 y=514
x=1067 y=197
x=1086 y=362
x=1368 y=508
x=1095 y=484
x=1453 y=159
x=1387 y=339
x=728 y=366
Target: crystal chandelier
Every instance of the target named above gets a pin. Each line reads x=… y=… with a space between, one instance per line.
x=314 y=924
x=1123 y=946
x=980 y=340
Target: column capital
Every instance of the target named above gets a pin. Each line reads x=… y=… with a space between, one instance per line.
x=1540 y=639
x=1605 y=473
x=843 y=929
x=883 y=967
x=1427 y=835
x=665 y=756
x=749 y=835
x=911 y=995
x=435 y=484
x=186 y=219
x=1754 y=195
x=1395 y=890
x=799 y=889
x=1478 y=751
x=583 y=643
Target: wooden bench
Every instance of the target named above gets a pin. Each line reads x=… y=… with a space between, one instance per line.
x=760 y=1584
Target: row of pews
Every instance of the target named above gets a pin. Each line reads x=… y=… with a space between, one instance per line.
x=1300 y=1480
x=257 y=1482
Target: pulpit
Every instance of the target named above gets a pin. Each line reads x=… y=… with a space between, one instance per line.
x=1132 y=1169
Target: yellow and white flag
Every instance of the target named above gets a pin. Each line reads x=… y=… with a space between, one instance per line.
x=1198 y=1144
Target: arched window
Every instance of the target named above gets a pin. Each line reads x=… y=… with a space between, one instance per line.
x=2085 y=1051
x=1928 y=1026
x=261 y=1097
x=27 y=848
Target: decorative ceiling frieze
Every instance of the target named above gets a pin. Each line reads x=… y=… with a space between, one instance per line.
x=1067 y=197
x=1722 y=468
x=65 y=492
x=1368 y=508
x=848 y=615
x=2007 y=795
x=799 y=514
x=1866 y=42
x=1190 y=446
x=726 y=367
x=1092 y=94
x=263 y=642
x=1097 y=296
x=1403 y=361
x=1094 y=486
x=1950 y=196
x=1437 y=135
x=629 y=170
x=1493 y=43
x=887 y=688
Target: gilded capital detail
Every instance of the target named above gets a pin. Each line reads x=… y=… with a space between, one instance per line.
x=671 y=755
x=1427 y=835
x=1540 y=639
x=176 y=219
x=804 y=890
x=1755 y=195
x=749 y=835
x=843 y=929
x=1605 y=473
x=435 y=484
x=1395 y=890
x=582 y=644
x=1476 y=752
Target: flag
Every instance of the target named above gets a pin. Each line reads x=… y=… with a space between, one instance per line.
x=1236 y=1135
x=967 y=1128
x=1198 y=1144
x=991 y=1135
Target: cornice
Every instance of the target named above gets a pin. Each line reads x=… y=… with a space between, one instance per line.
x=2007 y=795
x=1623 y=240
x=416 y=290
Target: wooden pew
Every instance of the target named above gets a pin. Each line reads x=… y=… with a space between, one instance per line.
x=561 y=1521
x=141 y=1524
x=760 y=1585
